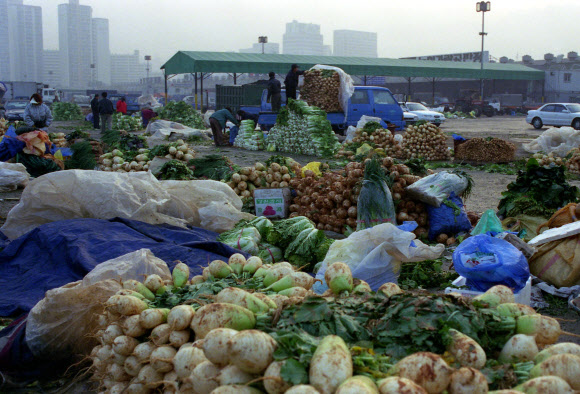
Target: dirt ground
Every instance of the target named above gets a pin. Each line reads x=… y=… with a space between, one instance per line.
x=485 y=195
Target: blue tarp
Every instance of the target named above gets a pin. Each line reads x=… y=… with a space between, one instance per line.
x=58 y=253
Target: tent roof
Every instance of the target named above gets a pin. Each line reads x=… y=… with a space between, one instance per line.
x=185 y=62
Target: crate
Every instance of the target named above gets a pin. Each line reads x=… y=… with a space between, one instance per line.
x=522 y=297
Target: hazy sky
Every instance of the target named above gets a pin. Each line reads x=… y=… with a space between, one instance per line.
x=405 y=28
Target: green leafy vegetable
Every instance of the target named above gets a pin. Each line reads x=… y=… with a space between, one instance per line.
x=181 y=112
x=175 y=170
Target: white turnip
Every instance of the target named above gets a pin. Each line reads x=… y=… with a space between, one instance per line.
x=273 y=382
x=220 y=269
x=240 y=297
x=180 y=274
x=204 y=377
x=251 y=350
x=331 y=364
x=518 y=348
x=218 y=315
x=358 y=385
x=160 y=334
x=143 y=351
x=179 y=338
x=132 y=326
x=302 y=389
x=565 y=366
x=215 y=345
x=186 y=359
x=124 y=345
x=390 y=289
x=467 y=380
x=545 y=385
x=237 y=262
x=426 y=369
x=397 y=385
x=233 y=375
x=132 y=366
x=179 y=318
x=151 y=318
x=544 y=329
x=466 y=350
x=162 y=358
x=338 y=277
x=113 y=331
x=559 y=348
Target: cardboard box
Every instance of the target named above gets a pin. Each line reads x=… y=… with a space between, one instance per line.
x=272 y=203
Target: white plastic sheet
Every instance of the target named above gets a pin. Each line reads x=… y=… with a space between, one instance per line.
x=559 y=141
x=12 y=176
x=346 y=84
x=366 y=119
x=350 y=134
x=64 y=322
x=375 y=254
x=140 y=196
x=162 y=130
x=435 y=188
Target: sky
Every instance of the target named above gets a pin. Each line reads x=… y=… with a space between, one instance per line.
x=405 y=28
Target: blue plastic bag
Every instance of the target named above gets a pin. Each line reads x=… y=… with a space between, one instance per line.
x=486 y=261
x=234 y=133
x=457 y=137
x=446 y=219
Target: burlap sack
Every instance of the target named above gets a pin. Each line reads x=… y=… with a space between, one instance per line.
x=558 y=262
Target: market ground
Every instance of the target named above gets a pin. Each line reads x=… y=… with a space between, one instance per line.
x=485 y=195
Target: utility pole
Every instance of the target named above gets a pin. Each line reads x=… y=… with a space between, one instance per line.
x=263 y=40
x=148 y=59
x=483 y=7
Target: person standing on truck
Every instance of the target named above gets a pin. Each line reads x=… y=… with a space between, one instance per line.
x=217 y=121
x=95 y=110
x=37 y=114
x=106 y=111
x=122 y=106
x=291 y=82
x=274 y=92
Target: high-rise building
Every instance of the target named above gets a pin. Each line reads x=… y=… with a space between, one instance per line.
x=21 y=45
x=303 y=39
x=270 y=47
x=51 y=68
x=355 y=43
x=101 y=73
x=327 y=50
x=75 y=44
x=127 y=68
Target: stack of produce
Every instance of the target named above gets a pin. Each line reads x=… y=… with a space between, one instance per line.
x=248 y=327
x=331 y=200
x=304 y=130
x=3 y=126
x=175 y=170
x=375 y=136
x=181 y=112
x=66 y=111
x=126 y=122
x=573 y=163
x=58 y=139
x=322 y=89
x=537 y=191
x=295 y=240
x=274 y=175
x=214 y=167
x=426 y=141
x=117 y=161
x=248 y=137
x=178 y=150
x=551 y=160
x=488 y=150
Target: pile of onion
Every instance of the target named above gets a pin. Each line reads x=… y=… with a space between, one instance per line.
x=259 y=176
x=426 y=141
x=381 y=139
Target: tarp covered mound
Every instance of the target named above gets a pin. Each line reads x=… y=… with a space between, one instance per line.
x=61 y=252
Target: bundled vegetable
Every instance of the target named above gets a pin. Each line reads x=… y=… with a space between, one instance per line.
x=175 y=170
x=372 y=134
x=321 y=88
x=118 y=161
x=126 y=122
x=250 y=138
x=181 y=112
x=247 y=179
x=304 y=130
x=62 y=111
x=425 y=141
x=375 y=203
x=572 y=162
x=58 y=139
x=489 y=150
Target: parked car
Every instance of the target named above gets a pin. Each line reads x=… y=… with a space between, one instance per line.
x=15 y=109
x=555 y=114
x=410 y=118
x=423 y=112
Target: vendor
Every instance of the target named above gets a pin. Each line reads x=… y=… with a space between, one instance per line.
x=244 y=115
x=217 y=121
x=291 y=82
x=147 y=114
x=37 y=114
x=122 y=106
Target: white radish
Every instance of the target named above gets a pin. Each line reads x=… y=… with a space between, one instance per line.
x=132 y=366
x=151 y=318
x=302 y=389
x=113 y=331
x=160 y=334
x=186 y=359
x=178 y=338
x=218 y=315
x=545 y=384
x=204 y=377
x=143 y=351
x=180 y=316
x=233 y=375
x=545 y=329
x=149 y=377
x=468 y=380
x=153 y=282
x=237 y=262
x=129 y=305
x=162 y=358
x=132 y=326
x=426 y=369
x=124 y=345
x=559 y=348
x=273 y=382
x=236 y=389
x=118 y=359
x=358 y=385
x=518 y=348
x=251 y=350
x=219 y=269
x=136 y=388
x=466 y=350
x=197 y=279
x=105 y=353
x=117 y=373
x=215 y=345
x=118 y=388
x=279 y=299
x=397 y=385
x=565 y=366
x=332 y=351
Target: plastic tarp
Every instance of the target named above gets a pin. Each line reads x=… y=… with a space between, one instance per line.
x=62 y=252
x=162 y=130
x=558 y=141
x=140 y=196
x=13 y=176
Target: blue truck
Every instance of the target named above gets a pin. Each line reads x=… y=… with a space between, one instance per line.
x=366 y=100
x=130 y=99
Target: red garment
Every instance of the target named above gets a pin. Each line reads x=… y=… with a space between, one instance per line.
x=122 y=107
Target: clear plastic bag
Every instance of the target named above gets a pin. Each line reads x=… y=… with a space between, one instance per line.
x=486 y=261
x=555 y=140
x=163 y=130
x=12 y=176
x=375 y=254
x=375 y=205
x=64 y=323
x=350 y=134
x=346 y=84
x=435 y=188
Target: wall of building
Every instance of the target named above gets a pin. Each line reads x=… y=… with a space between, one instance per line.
x=101 y=52
x=270 y=47
x=127 y=68
x=355 y=43
x=302 y=39
x=51 y=75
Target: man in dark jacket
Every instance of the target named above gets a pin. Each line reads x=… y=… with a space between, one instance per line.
x=95 y=110
x=274 y=92
x=106 y=110
x=217 y=121
x=291 y=82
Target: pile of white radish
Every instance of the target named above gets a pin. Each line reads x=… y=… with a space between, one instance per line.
x=180 y=151
x=116 y=161
x=216 y=348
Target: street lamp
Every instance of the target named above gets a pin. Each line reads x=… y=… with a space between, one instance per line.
x=262 y=40
x=148 y=59
x=483 y=7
